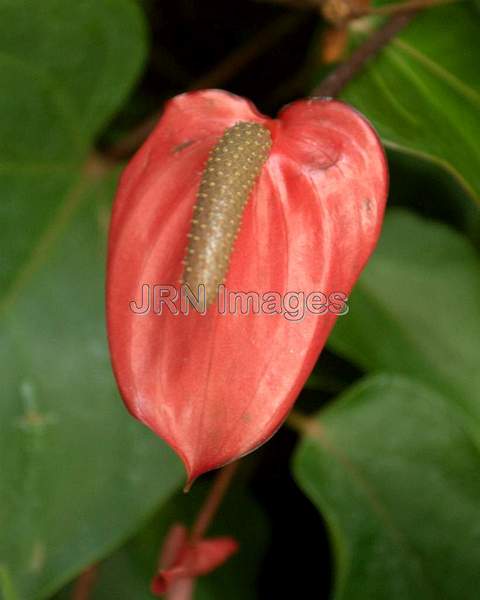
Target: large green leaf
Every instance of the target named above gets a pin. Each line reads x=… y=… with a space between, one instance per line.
x=64 y=68
x=423 y=91
x=86 y=53
x=397 y=477
x=416 y=309
x=77 y=474
x=128 y=573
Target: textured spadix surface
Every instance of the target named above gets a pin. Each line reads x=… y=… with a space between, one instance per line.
x=233 y=166
x=216 y=386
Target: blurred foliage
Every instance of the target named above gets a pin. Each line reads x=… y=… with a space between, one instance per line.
x=78 y=475
x=67 y=67
x=127 y=574
x=416 y=310
x=395 y=472
x=423 y=92
x=394 y=465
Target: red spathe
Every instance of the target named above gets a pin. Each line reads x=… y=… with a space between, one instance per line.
x=216 y=386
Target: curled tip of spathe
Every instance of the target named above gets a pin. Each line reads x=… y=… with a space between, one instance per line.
x=188 y=486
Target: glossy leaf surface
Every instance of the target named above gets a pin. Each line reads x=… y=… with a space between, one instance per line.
x=415 y=310
x=422 y=92
x=395 y=472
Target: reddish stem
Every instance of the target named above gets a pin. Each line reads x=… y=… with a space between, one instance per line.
x=334 y=83
x=183 y=588
x=85 y=583
x=212 y=501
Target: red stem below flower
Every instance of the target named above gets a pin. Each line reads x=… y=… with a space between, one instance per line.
x=212 y=501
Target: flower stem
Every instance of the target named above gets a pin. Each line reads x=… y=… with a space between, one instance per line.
x=85 y=583
x=334 y=83
x=212 y=501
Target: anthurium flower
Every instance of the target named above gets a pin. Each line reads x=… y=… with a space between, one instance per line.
x=223 y=199
x=182 y=560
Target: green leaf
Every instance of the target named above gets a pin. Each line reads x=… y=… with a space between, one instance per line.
x=395 y=473
x=78 y=474
x=87 y=53
x=7 y=590
x=422 y=92
x=128 y=573
x=416 y=309
x=64 y=68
